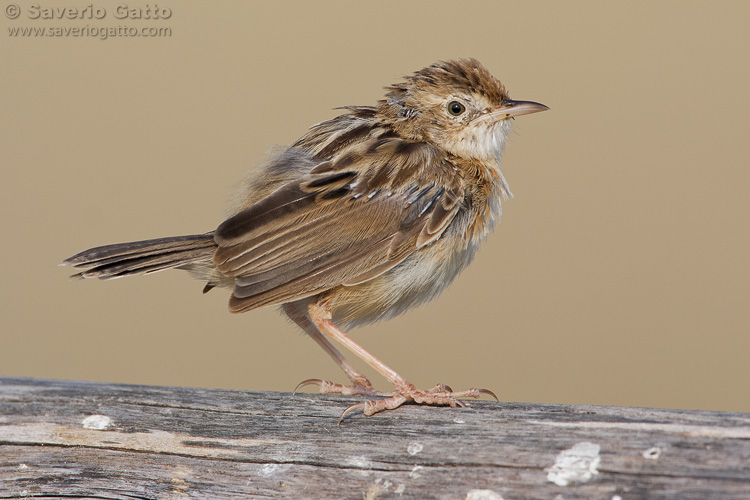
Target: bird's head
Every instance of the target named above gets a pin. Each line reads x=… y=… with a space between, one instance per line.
x=457 y=106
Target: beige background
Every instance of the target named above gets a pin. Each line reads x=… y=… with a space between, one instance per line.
x=619 y=274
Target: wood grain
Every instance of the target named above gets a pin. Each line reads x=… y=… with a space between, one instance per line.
x=170 y=442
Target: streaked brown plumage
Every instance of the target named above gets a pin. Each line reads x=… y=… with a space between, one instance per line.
x=366 y=215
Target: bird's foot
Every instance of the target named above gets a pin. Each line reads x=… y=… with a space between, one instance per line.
x=359 y=387
x=440 y=395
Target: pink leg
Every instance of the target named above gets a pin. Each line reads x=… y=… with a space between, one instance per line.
x=360 y=384
x=320 y=316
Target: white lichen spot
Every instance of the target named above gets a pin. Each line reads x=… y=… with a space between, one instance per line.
x=483 y=495
x=382 y=487
x=416 y=472
x=377 y=489
x=269 y=469
x=22 y=466
x=97 y=422
x=460 y=421
x=575 y=465
x=652 y=453
x=359 y=462
x=414 y=448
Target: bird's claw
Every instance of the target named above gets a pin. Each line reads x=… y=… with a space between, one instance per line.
x=359 y=387
x=310 y=381
x=440 y=395
x=489 y=393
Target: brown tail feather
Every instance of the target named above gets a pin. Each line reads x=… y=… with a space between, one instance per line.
x=142 y=257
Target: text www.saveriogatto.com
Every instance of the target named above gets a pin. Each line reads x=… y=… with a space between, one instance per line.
x=96 y=16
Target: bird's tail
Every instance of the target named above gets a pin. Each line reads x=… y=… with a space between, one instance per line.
x=143 y=257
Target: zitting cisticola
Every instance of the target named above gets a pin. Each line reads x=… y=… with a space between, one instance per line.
x=365 y=216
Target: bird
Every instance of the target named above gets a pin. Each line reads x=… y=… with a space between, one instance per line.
x=365 y=216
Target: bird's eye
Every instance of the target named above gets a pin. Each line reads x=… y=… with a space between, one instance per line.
x=456 y=108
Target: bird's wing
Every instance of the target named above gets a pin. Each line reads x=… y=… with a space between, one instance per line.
x=350 y=219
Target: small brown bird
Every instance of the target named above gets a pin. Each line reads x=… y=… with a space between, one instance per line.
x=366 y=215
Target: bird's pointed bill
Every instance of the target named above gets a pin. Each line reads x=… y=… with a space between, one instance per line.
x=511 y=108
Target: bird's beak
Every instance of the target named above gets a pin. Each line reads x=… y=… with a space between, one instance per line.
x=510 y=109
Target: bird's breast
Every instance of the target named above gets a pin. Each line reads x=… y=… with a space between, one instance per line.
x=420 y=278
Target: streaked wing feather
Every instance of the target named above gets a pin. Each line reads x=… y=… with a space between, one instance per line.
x=351 y=219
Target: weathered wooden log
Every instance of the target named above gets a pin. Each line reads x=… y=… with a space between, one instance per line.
x=111 y=441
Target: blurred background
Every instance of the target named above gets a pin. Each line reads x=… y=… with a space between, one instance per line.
x=619 y=274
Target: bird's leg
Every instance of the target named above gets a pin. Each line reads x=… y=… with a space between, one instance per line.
x=360 y=383
x=320 y=316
